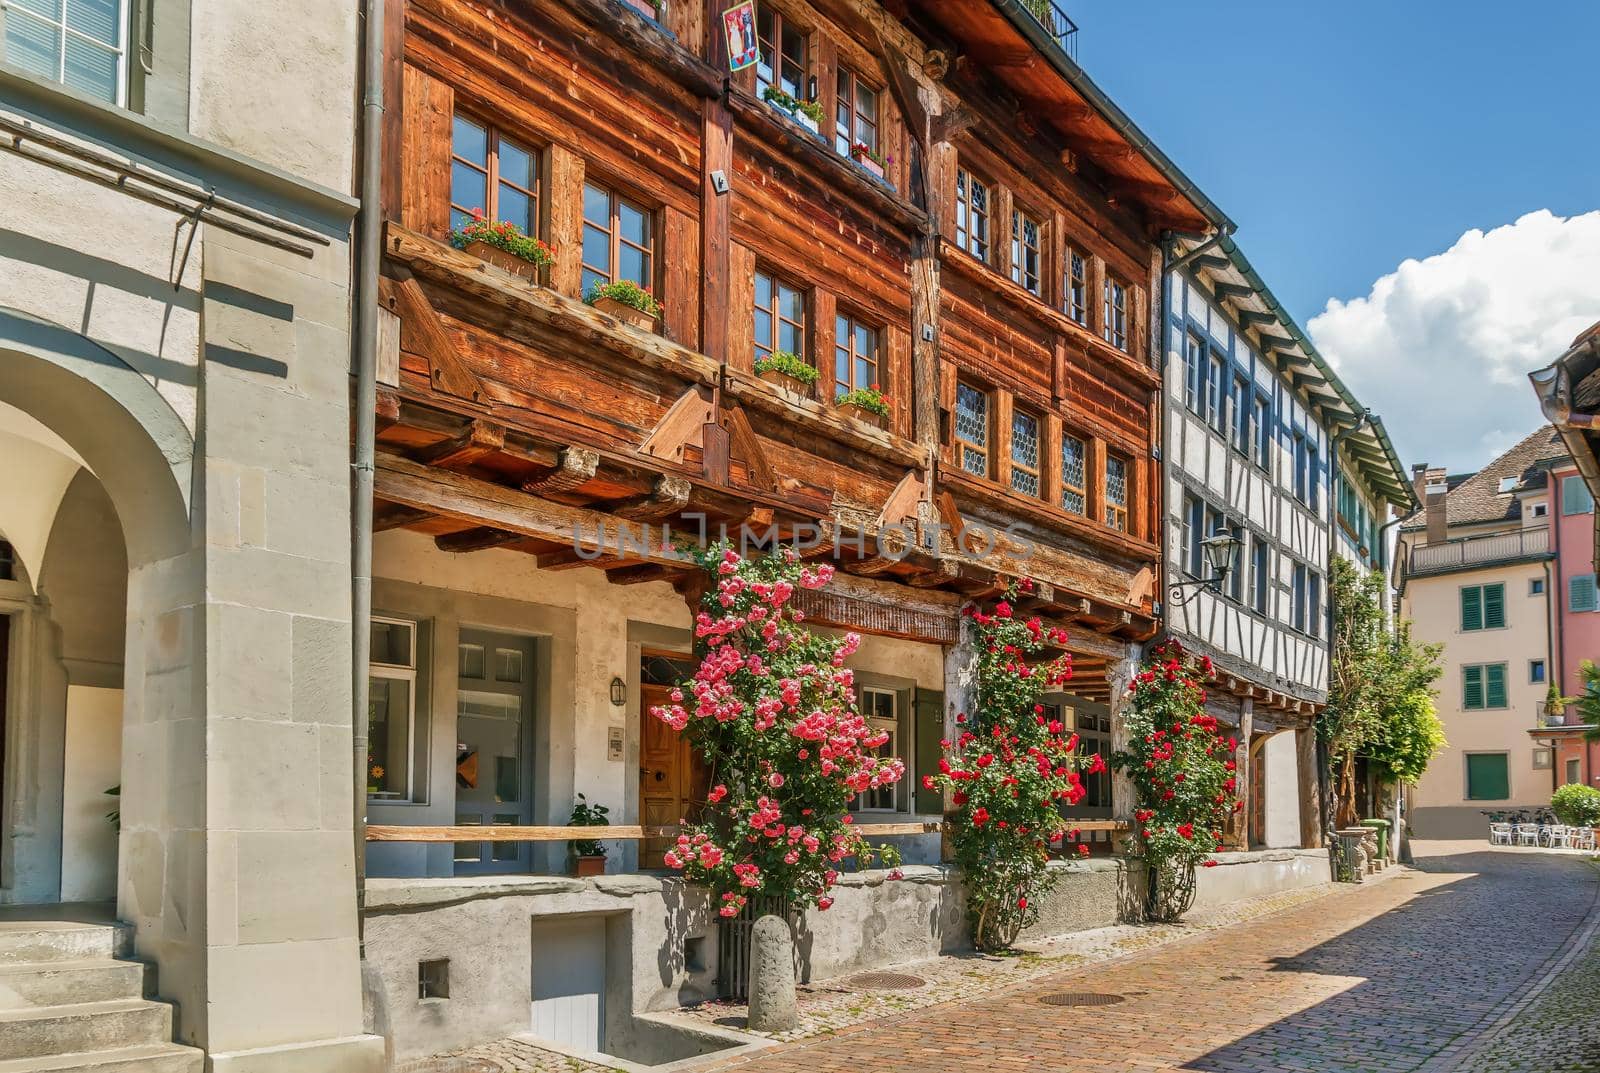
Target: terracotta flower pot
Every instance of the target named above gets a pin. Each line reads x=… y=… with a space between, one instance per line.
x=643 y=7
x=861 y=413
x=793 y=383
x=626 y=313
x=510 y=262
x=586 y=867
x=871 y=165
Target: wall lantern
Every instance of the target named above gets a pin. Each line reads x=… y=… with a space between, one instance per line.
x=619 y=692
x=1220 y=551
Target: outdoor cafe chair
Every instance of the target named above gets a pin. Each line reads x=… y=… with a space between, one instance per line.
x=1555 y=835
x=1527 y=834
x=1500 y=834
x=1581 y=838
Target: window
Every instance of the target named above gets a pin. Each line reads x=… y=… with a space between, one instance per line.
x=1217 y=394
x=1297 y=597
x=1025 y=452
x=1313 y=603
x=1074 y=475
x=1236 y=576
x=972 y=215
x=1075 y=287
x=1539 y=509
x=1114 y=314
x=433 y=979
x=1483 y=607
x=1573 y=773
x=1488 y=778
x=1575 y=497
x=84 y=47
x=618 y=240
x=1264 y=432
x=1260 y=574
x=1243 y=412
x=1536 y=671
x=1508 y=484
x=855 y=355
x=972 y=429
x=391 y=709
x=780 y=317
x=1313 y=480
x=491 y=174
x=1543 y=759
x=1581 y=594
x=1194 y=369
x=1117 y=492
x=881 y=709
x=1300 y=466
x=1483 y=685
x=857 y=113
x=1025 y=251
x=782 y=62
x=1536 y=586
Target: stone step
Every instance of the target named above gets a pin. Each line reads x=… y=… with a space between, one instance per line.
x=86 y=1026
x=59 y=940
x=146 y=1058
x=31 y=984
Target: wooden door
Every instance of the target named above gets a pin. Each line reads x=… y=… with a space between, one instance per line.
x=672 y=778
x=1257 y=831
x=494 y=747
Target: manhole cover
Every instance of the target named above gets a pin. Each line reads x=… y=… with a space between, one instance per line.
x=1080 y=998
x=886 y=981
x=449 y=1065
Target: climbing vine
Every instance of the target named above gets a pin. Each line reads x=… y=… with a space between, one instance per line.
x=1008 y=771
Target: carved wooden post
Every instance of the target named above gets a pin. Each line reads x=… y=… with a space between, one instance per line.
x=1123 y=798
x=1244 y=778
x=1305 y=749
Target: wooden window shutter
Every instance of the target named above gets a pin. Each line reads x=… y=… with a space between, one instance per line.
x=1494 y=607
x=1472 y=608
x=1487 y=777
x=1495 y=685
x=929 y=731
x=1581 y=593
x=1472 y=686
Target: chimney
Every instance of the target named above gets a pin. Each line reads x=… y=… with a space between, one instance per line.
x=1435 y=487
x=1419 y=480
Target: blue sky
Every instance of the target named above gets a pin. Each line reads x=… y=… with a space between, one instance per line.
x=1346 y=138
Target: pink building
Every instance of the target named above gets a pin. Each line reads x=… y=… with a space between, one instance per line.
x=1575 y=606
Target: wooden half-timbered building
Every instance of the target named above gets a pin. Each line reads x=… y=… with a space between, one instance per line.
x=1265 y=444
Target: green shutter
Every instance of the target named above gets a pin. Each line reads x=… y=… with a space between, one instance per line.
x=1575 y=497
x=1581 y=593
x=1495 y=685
x=929 y=732
x=1472 y=686
x=1472 y=608
x=1487 y=777
x=1494 y=606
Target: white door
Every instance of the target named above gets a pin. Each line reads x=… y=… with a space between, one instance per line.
x=569 y=982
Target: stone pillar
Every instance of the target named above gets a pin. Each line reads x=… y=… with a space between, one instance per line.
x=1305 y=748
x=773 y=1005
x=1124 y=800
x=960 y=691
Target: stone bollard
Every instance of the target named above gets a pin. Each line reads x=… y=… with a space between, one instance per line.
x=773 y=1007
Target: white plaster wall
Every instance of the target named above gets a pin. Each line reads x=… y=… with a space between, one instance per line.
x=93 y=766
x=32 y=481
x=1283 y=790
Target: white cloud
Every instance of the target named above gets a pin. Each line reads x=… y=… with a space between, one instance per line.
x=1441 y=347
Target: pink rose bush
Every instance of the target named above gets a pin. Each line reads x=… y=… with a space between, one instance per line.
x=1009 y=771
x=1181 y=763
x=772 y=709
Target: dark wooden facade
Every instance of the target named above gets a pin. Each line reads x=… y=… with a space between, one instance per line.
x=520 y=413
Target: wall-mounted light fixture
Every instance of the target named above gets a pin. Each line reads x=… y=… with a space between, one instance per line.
x=1220 y=551
x=619 y=692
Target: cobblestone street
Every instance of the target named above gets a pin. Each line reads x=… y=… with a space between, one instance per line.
x=1420 y=972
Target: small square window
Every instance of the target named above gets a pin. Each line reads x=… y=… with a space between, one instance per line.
x=1536 y=671
x=1536 y=587
x=433 y=979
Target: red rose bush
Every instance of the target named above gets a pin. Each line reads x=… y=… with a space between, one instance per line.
x=772 y=709
x=1008 y=772
x=1180 y=761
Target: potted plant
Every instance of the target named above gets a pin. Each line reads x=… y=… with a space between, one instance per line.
x=787 y=369
x=627 y=301
x=868 y=158
x=648 y=8
x=808 y=114
x=867 y=404
x=503 y=245
x=588 y=856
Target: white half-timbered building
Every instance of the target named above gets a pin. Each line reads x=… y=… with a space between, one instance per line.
x=1256 y=427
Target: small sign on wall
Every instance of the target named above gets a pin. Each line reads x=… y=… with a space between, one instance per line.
x=614 y=744
x=739 y=23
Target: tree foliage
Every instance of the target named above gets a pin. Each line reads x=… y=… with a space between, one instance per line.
x=1576 y=805
x=1378 y=682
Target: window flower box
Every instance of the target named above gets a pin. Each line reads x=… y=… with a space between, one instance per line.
x=503 y=245
x=871 y=162
x=787 y=370
x=865 y=404
x=806 y=113
x=628 y=302
x=508 y=262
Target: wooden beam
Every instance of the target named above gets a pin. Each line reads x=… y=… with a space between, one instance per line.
x=421 y=332
x=681 y=427
x=669 y=496
x=947 y=126
x=575 y=467
x=901 y=506
x=639 y=38
x=399 y=518
x=477 y=538
x=744 y=443
x=479 y=438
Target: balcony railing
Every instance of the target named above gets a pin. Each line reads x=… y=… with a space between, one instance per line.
x=1478 y=551
x=1053 y=18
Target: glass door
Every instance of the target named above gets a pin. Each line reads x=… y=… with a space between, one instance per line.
x=494 y=747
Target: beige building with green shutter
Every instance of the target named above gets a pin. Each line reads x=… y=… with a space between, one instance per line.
x=1477 y=573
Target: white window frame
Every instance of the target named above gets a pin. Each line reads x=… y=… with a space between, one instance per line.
x=125 y=26
x=892 y=748
x=408 y=674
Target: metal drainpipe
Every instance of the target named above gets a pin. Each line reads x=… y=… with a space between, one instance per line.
x=364 y=449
